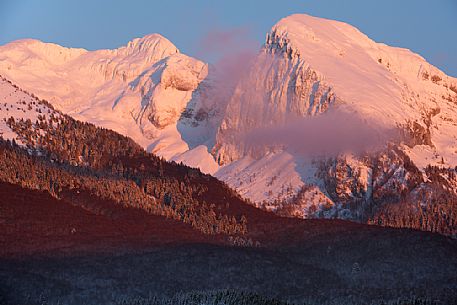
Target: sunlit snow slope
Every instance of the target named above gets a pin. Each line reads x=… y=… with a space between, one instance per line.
x=16 y=104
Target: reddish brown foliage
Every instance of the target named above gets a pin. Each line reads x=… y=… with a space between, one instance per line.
x=33 y=222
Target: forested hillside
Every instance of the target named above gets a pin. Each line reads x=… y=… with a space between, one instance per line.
x=76 y=161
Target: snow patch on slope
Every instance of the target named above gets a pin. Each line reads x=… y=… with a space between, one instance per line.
x=275 y=176
x=17 y=104
x=198 y=158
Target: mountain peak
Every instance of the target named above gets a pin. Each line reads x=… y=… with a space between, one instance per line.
x=23 y=50
x=360 y=70
x=152 y=43
x=302 y=27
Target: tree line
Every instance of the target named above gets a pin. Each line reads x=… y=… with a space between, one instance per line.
x=81 y=185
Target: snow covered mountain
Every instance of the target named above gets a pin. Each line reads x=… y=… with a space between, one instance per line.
x=309 y=64
x=139 y=90
x=308 y=68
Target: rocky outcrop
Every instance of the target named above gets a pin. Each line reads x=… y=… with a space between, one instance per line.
x=280 y=86
x=415 y=134
x=166 y=89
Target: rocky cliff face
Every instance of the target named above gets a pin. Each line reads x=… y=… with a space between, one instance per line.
x=280 y=85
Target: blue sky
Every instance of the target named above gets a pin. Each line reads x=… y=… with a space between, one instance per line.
x=424 y=26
